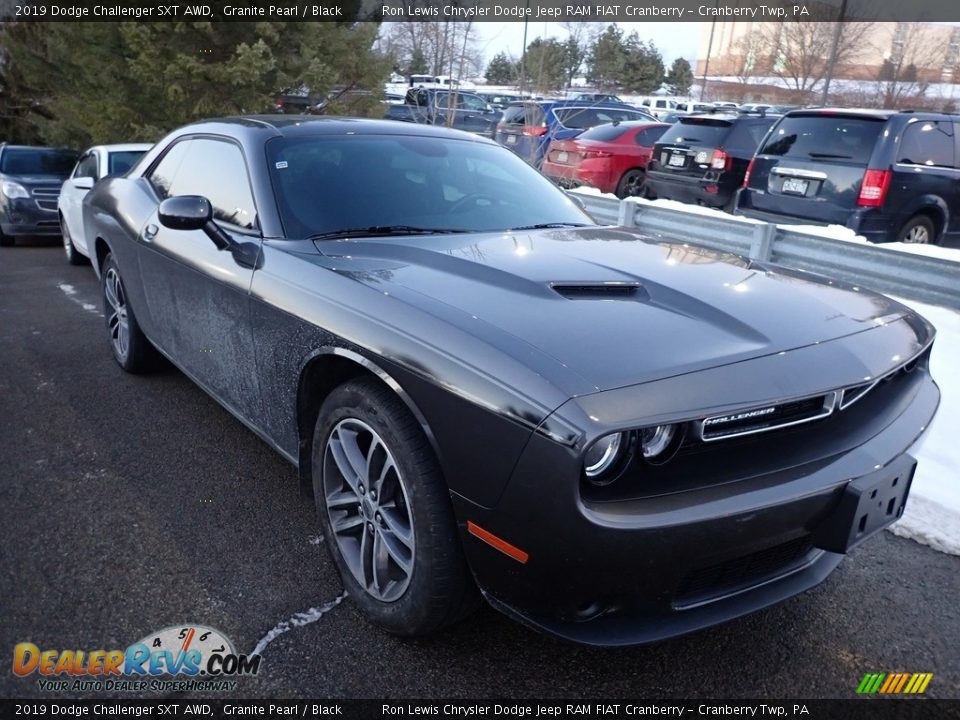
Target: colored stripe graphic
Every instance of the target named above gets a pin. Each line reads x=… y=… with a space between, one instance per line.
x=894 y=683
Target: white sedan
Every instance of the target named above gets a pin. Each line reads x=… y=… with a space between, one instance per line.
x=95 y=164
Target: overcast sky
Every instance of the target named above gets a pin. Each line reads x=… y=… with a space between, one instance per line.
x=673 y=39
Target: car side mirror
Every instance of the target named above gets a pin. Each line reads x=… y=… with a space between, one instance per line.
x=193 y=212
x=185 y=212
x=83 y=183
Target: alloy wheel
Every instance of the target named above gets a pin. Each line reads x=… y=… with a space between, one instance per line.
x=117 y=320
x=917 y=234
x=368 y=508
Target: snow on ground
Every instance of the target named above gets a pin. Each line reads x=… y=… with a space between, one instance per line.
x=932 y=516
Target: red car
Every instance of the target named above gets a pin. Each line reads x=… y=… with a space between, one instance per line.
x=612 y=157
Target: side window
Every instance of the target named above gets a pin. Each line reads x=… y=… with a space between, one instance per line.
x=472 y=103
x=87 y=167
x=649 y=136
x=216 y=170
x=163 y=174
x=927 y=143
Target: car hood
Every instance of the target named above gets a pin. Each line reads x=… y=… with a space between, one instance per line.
x=611 y=306
x=32 y=180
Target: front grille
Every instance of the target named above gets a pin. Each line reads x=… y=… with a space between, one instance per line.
x=51 y=191
x=47 y=205
x=743 y=572
x=771 y=417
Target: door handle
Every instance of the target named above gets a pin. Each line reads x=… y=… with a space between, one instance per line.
x=150 y=231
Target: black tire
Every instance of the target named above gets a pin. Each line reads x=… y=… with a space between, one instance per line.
x=6 y=240
x=73 y=255
x=439 y=588
x=136 y=355
x=632 y=184
x=918 y=229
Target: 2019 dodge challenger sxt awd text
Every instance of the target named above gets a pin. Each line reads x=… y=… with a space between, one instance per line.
x=615 y=438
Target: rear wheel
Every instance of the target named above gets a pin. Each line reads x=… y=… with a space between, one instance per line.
x=632 y=184
x=919 y=229
x=5 y=240
x=385 y=512
x=131 y=349
x=73 y=255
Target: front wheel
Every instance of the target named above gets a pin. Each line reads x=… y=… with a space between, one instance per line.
x=385 y=512
x=131 y=349
x=73 y=255
x=5 y=240
x=919 y=229
x=632 y=184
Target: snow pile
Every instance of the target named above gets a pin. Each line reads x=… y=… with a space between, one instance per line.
x=932 y=516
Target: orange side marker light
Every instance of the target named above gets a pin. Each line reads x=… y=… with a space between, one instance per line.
x=502 y=545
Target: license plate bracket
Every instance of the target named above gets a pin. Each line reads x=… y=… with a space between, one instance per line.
x=511 y=139
x=868 y=505
x=676 y=160
x=795 y=186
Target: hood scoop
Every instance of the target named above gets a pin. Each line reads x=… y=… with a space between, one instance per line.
x=611 y=290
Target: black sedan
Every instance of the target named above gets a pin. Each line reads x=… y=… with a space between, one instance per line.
x=614 y=438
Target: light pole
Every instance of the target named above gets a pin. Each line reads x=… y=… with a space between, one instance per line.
x=523 y=51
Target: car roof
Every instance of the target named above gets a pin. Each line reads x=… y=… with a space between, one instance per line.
x=5 y=146
x=301 y=125
x=123 y=147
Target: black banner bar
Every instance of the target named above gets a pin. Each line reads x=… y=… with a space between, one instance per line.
x=476 y=10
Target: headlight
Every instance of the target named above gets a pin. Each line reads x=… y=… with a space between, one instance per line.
x=13 y=190
x=655 y=441
x=604 y=454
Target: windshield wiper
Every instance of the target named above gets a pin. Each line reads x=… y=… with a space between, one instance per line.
x=830 y=155
x=384 y=230
x=545 y=226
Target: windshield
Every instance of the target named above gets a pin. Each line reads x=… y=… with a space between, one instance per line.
x=328 y=183
x=824 y=137
x=122 y=160
x=583 y=118
x=37 y=161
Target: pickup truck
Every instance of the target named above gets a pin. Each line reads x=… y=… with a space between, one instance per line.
x=453 y=108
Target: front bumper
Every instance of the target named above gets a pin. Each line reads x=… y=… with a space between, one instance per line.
x=24 y=216
x=639 y=571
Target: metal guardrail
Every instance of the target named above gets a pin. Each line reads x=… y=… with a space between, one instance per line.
x=908 y=275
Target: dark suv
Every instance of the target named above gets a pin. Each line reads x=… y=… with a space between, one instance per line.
x=703 y=158
x=30 y=180
x=888 y=175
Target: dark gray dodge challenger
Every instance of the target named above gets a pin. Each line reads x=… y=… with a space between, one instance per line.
x=611 y=437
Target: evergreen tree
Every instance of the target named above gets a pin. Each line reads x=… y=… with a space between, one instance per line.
x=546 y=64
x=418 y=63
x=501 y=71
x=680 y=77
x=643 y=66
x=607 y=58
x=121 y=82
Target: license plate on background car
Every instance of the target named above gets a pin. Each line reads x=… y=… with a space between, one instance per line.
x=511 y=139
x=795 y=187
x=562 y=156
x=676 y=160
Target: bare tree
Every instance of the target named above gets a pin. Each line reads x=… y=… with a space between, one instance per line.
x=440 y=43
x=799 y=50
x=913 y=53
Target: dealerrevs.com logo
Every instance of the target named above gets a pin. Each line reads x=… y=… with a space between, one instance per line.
x=175 y=659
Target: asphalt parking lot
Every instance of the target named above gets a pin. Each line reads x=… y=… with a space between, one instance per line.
x=131 y=504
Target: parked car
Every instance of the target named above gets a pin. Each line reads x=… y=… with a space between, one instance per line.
x=528 y=128
x=890 y=176
x=450 y=108
x=612 y=158
x=725 y=105
x=703 y=158
x=499 y=101
x=680 y=437
x=598 y=98
x=756 y=108
x=671 y=117
x=94 y=165
x=691 y=108
x=659 y=105
x=30 y=180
